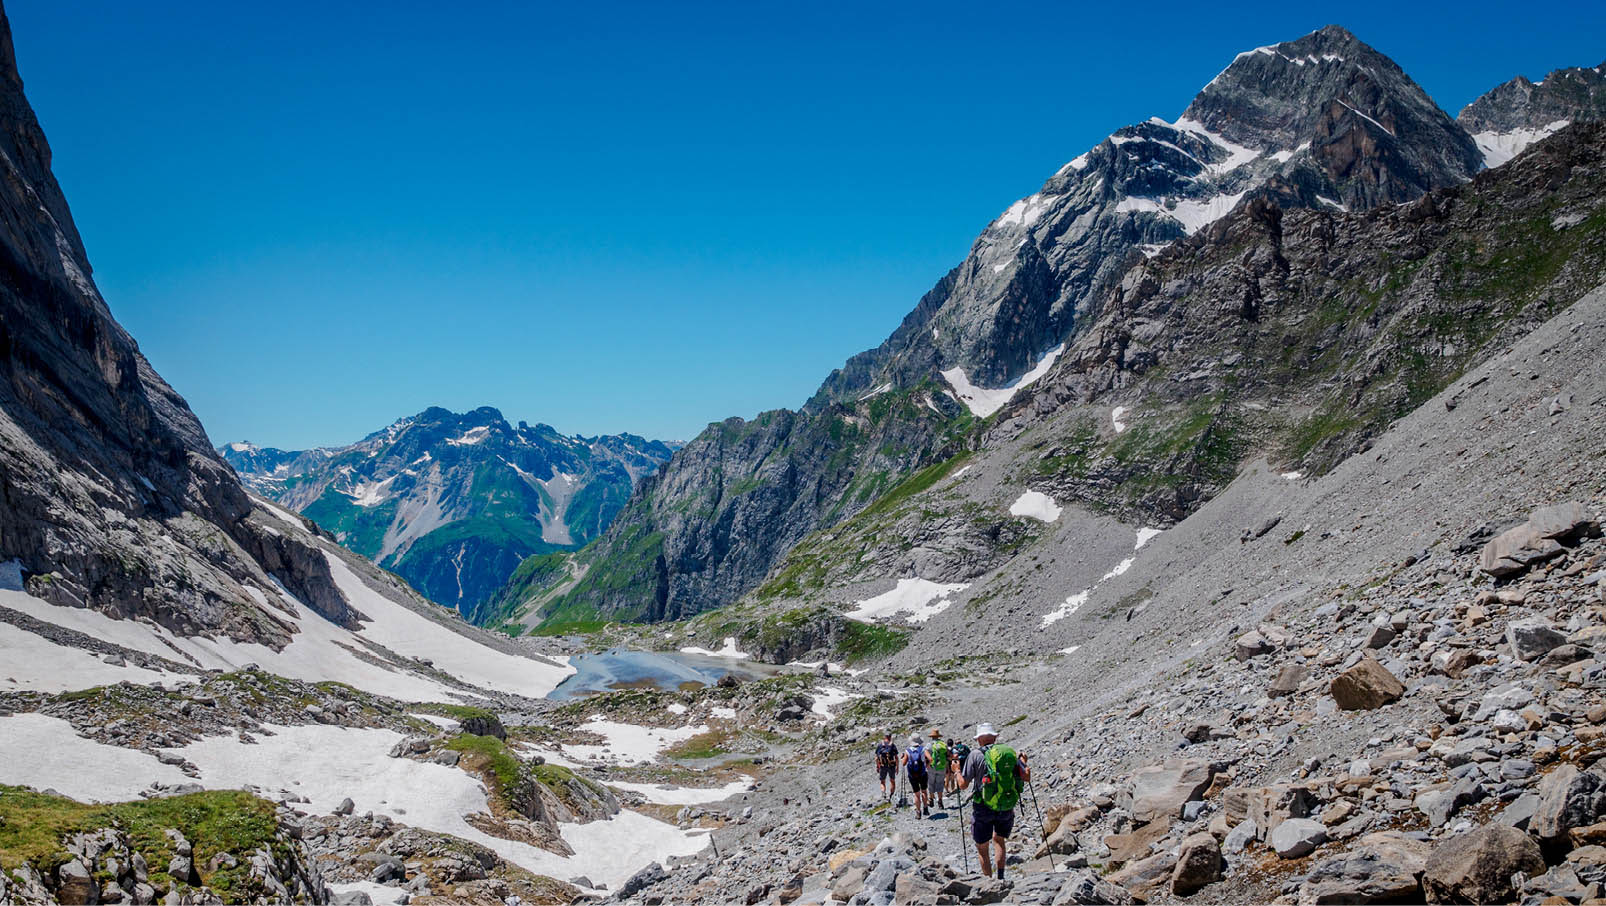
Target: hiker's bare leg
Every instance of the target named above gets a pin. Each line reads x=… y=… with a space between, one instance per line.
x=984 y=855
x=1000 y=843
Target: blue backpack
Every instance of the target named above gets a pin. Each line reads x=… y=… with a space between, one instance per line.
x=917 y=761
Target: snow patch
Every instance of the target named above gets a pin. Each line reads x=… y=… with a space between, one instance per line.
x=982 y=401
x=828 y=697
x=1071 y=605
x=47 y=753
x=1116 y=414
x=1193 y=214
x=877 y=391
x=920 y=599
x=668 y=794
x=1145 y=535
x=1293 y=476
x=628 y=744
x=1500 y=147
x=471 y=437
x=1036 y=505
x=33 y=662
x=727 y=650
x=722 y=712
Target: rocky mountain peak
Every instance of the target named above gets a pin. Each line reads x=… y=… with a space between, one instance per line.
x=1515 y=114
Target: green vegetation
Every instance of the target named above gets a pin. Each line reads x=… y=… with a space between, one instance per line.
x=914 y=484
x=32 y=826
x=361 y=529
x=864 y=642
x=491 y=755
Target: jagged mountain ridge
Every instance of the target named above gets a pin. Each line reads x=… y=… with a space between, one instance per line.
x=453 y=502
x=1321 y=122
x=1517 y=113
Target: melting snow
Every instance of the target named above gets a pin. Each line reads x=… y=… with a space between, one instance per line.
x=1293 y=476
x=1071 y=650
x=1036 y=505
x=1071 y=605
x=1332 y=201
x=828 y=697
x=1116 y=415
x=676 y=708
x=1499 y=147
x=47 y=753
x=982 y=401
x=29 y=661
x=667 y=794
x=326 y=764
x=369 y=494
x=628 y=744
x=877 y=391
x=723 y=713
x=1024 y=212
x=728 y=650
x=1193 y=214
x=921 y=599
x=471 y=436
x=1145 y=535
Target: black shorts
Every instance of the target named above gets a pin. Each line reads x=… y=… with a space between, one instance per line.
x=917 y=782
x=988 y=823
x=885 y=772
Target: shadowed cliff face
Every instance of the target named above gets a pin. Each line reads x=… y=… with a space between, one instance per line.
x=110 y=496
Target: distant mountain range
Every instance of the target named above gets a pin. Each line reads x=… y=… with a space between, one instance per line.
x=453 y=502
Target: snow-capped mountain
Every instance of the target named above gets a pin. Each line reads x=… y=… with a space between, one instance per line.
x=1515 y=114
x=453 y=502
x=1322 y=121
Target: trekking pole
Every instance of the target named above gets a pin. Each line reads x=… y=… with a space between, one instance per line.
x=1042 y=827
x=964 y=851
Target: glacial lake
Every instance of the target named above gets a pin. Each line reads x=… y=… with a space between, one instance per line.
x=623 y=668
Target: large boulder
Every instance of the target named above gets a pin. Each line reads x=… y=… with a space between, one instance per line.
x=1532 y=638
x=1198 y=864
x=1268 y=806
x=1384 y=867
x=1568 y=799
x=1477 y=867
x=1147 y=878
x=1366 y=686
x=1088 y=889
x=1296 y=837
x=1159 y=791
x=1539 y=539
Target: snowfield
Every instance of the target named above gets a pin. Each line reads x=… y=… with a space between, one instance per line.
x=982 y=401
x=1036 y=505
x=75 y=767
x=920 y=599
x=628 y=744
x=33 y=662
x=727 y=650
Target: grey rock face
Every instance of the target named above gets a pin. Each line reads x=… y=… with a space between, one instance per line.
x=1513 y=114
x=1478 y=867
x=114 y=499
x=1296 y=837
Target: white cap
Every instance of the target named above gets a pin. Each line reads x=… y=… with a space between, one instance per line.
x=985 y=730
x=914 y=740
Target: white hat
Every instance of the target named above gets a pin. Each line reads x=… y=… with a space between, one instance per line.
x=985 y=730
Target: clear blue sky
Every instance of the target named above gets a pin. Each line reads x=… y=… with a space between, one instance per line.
x=318 y=217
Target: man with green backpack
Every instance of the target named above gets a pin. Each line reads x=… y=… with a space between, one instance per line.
x=937 y=786
x=998 y=774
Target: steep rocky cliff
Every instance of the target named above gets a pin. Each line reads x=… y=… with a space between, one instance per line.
x=452 y=503
x=113 y=499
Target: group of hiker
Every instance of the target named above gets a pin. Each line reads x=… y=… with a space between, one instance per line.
x=936 y=769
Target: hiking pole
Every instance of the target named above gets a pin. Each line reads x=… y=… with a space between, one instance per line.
x=1042 y=827
x=964 y=850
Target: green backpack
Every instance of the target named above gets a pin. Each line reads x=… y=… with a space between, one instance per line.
x=1003 y=787
x=939 y=756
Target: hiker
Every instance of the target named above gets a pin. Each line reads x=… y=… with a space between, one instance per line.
x=886 y=766
x=957 y=753
x=937 y=782
x=999 y=773
x=917 y=767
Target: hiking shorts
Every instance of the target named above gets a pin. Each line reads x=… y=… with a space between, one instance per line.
x=885 y=772
x=987 y=823
x=917 y=782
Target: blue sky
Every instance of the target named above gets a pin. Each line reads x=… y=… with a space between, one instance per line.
x=319 y=217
